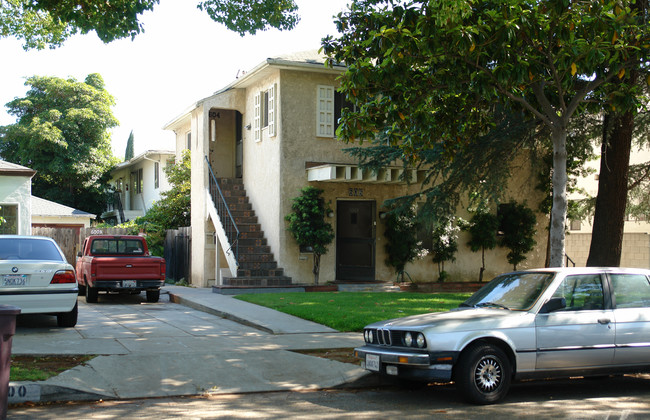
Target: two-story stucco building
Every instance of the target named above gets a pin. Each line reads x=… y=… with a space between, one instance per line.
x=136 y=184
x=261 y=139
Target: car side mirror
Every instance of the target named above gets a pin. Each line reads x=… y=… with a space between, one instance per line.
x=553 y=305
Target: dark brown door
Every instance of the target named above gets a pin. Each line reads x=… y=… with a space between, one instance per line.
x=355 y=240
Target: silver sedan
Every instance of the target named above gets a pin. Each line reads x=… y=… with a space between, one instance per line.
x=35 y=277
x=522 y=325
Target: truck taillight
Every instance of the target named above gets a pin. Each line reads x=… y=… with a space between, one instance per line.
x=63 y=276
x=163 y=270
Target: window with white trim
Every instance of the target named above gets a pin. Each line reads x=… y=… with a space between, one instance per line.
x=264 y=112
x=257 y=112
x=325 y=111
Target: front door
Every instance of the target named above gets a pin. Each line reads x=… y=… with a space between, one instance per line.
x=355 y=240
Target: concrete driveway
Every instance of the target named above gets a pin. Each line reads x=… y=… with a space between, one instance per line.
x=167 y=349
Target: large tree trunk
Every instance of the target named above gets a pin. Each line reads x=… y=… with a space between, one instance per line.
x=609 y=216
x=559 y=209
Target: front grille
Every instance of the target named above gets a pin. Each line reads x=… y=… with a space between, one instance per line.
x=386 y=337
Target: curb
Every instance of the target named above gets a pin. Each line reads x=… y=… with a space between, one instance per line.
x=22 y=392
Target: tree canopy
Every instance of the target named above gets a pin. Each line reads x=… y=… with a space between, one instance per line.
x=425 y=74
x=63 y=132
x=48 y=23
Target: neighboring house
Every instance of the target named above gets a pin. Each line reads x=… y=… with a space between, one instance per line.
x=15 y=198
x=137 y=184
x=636 y=233
x=49 y=214
x=264 y=137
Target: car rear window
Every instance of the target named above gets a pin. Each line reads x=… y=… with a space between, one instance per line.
x=117 y=246
x=28 y=249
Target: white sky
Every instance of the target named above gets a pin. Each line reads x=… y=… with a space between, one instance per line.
x=182 y=56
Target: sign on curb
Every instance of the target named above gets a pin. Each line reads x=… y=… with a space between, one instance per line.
x=20 y=393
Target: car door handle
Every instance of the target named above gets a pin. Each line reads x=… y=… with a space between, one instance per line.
x=604 y=321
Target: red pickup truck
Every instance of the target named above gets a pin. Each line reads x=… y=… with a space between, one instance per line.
x=118 y=264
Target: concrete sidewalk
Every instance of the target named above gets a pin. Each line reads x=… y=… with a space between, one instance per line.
x=193 y=355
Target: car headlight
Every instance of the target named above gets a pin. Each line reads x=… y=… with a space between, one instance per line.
x=408 y=339
x=369 y=337
x=421 y=342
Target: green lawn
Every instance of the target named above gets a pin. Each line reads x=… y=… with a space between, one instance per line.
x=351 y=311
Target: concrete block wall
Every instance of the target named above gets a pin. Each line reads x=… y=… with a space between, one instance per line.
x=636 y=249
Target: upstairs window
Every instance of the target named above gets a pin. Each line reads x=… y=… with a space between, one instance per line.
x=264 y=112
x=329 y=110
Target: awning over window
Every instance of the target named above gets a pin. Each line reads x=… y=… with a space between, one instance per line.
x=336 y=172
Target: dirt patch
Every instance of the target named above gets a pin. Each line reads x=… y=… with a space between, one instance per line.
x=39 y=368
x=345 y=355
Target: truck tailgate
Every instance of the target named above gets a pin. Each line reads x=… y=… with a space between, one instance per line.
x=127 y=268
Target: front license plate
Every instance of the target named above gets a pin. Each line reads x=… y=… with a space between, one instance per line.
x=372 y=362
x=129 y=283
x=14 y=280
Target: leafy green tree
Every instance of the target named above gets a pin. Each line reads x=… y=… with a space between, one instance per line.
x=445 y=244
x=49 y=23
x=517 y=223
x=483 y=228
x=63 y=132
x=402 y=244
x=308 y=226
x=128 y=153
x=422 y=67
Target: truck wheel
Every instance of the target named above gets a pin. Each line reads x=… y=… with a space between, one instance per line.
x=82 y=289
x=68 y=319
x=153 y=296
x=483 y=374
x=91 y=294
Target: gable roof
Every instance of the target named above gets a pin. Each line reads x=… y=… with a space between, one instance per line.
x=43 y=207
x=143 y=156
x=311 y=60
x=11 y=169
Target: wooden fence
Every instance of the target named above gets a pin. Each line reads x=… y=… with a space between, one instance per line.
x=67 y=238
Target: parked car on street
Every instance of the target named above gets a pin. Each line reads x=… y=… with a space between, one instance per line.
x=119 y=263
x=35 y=276
x=544 y=323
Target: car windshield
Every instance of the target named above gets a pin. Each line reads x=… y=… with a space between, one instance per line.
x=28 y=249
x=515 y=291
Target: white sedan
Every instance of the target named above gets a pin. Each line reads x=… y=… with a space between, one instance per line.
x=35 y=277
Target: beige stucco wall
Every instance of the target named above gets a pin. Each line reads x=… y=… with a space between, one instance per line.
x=18 y=190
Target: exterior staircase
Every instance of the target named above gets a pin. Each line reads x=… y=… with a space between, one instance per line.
x=257 y=266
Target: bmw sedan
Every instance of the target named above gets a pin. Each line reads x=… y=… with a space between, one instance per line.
x=529 y=324
x=35 y=276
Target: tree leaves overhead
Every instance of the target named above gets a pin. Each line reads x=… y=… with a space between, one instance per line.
x=250 y=16
x=48 y=23
x=42 y=23
x=63 y=132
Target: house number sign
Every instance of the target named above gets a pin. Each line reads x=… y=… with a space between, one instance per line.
x=355 y=192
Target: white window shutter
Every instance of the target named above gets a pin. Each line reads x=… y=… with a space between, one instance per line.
x=256 y=117
x=325 y=111
x=271 y=108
